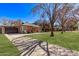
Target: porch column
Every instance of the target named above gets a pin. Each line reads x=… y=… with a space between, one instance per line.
x=3 y=30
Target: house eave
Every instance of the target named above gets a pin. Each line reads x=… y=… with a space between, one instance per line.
x=30 y=25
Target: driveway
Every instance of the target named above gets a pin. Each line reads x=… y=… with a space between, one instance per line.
x=25 y=44
x=14 y=36
x=34 y=47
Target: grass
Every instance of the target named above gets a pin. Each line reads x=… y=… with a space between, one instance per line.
x=6 y=47
x=68 y=40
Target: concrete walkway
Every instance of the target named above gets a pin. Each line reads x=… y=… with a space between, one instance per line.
x=30 y=47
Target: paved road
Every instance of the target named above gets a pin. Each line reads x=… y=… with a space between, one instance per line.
x=33 y=47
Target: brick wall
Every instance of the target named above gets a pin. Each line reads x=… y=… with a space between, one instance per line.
x=32 y=29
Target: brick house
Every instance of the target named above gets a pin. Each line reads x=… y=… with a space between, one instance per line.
x=30 y=28
x=19 y=28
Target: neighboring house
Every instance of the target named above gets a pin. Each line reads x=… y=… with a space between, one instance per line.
x=19 y=28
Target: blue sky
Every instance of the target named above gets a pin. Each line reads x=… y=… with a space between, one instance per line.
x=18 y=11
x=21 y=11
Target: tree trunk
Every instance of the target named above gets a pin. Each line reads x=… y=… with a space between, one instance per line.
x=52 y=34
x=61 y=32
x=52 y=29
x=62 y=29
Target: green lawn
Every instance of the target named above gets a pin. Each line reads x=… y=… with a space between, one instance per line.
x=6 y=47
x=68 y=39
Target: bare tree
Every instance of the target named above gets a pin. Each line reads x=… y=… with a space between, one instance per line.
x=76 y=13
x=5 y=21
x=49 y=11
x=64 y=11
x=44 y=24
x=71 y=24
